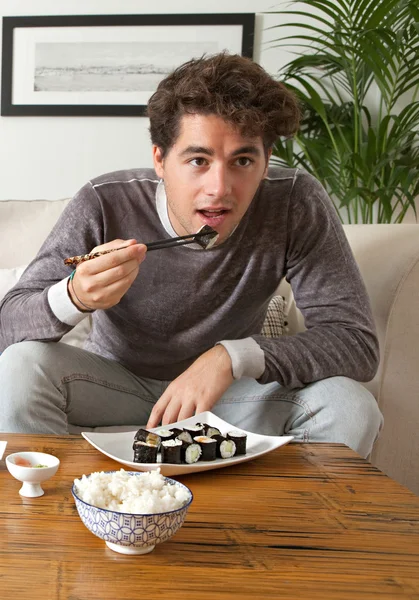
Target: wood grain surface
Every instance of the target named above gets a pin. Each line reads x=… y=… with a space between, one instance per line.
x=305 y=521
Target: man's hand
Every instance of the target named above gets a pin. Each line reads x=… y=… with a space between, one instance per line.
x=101 y=282
x=196 y=390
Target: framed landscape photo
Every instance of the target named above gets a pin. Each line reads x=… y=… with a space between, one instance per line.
x=106 y=65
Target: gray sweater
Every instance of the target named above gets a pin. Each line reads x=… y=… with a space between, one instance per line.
x=185 y=299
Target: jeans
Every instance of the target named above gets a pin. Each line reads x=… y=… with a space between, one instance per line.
x=52 y=388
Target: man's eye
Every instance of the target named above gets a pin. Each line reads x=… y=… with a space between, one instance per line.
x=198 y=162
x=244 y=161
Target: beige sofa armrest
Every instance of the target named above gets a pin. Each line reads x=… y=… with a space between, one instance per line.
x=388 y=258
x=397 y=449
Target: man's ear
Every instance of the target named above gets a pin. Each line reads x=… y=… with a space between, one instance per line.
x=158 y=161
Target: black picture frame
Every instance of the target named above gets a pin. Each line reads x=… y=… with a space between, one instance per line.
x=12 y=24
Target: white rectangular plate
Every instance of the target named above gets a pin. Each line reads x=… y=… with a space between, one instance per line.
x=119 y=447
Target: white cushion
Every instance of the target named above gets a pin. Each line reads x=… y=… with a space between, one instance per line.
x=8 y=278
x=75 y=337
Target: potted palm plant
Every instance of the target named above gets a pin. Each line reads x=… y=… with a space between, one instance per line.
x=356 y=74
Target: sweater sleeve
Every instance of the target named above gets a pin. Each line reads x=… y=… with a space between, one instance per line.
x=340 y=338
x=25 y=311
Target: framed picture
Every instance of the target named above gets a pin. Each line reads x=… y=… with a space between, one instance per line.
x=106 y=65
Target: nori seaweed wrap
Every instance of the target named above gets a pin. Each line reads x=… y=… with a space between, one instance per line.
x=171 y=451
x=208 y=447
x=239 y=438
x=145 y=453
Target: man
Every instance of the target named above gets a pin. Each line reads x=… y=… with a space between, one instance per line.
x=177 y=331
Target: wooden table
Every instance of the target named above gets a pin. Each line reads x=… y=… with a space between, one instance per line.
x=305 y=521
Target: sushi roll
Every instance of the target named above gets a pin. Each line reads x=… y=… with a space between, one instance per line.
x=166 y=434
x=225 y=448
x=185 y=437
x=239 y=438
x=191 y=453
x=176 y=431
x=211 y=431
x=195 y=430
x=145 y=453
x=171 y=451
x=208 y=447
x=144 y=435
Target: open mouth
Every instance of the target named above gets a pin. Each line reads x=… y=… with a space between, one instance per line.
x=213 y=213
x=214 y=217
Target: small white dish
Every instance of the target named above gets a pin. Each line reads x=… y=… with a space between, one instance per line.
x=32 y=468
x=2 y=448
x=118 y=446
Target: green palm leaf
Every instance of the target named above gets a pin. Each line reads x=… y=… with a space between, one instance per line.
x=366 y=158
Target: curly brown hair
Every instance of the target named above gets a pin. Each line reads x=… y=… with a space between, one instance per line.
x=230 y=86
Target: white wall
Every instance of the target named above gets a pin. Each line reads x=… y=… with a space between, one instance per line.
x=52 y=157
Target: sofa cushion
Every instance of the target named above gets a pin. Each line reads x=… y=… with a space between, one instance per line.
x=75 y=337
x=24 y=225
x=8 y=278
x=275 y=323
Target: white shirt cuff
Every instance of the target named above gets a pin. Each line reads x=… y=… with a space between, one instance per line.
x=247 y=357
x=61 y=305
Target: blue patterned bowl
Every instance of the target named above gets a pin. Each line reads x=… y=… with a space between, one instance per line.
x=129 y=533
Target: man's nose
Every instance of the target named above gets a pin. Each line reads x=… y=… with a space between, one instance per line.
x=218 y=183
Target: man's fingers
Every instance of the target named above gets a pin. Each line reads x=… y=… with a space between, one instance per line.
x=113 y=244
x=187 y=410
x=171 y=414
x=158 y=411
x=107 y=262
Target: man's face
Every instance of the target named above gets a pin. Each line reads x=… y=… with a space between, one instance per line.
x=211 y=175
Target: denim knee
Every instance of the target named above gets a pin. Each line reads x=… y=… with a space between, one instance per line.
x=19 y=360
x=343 y=411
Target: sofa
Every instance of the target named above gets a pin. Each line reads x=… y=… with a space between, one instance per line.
x=388 y=257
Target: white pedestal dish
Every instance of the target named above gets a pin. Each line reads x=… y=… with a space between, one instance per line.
x=42 y=467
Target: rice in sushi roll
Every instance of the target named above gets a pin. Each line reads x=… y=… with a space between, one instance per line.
x=210 y=431
x=191 y=453
x=225 y=448
x=185 y=437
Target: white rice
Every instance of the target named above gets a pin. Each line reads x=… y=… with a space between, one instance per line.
x=144 y=493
